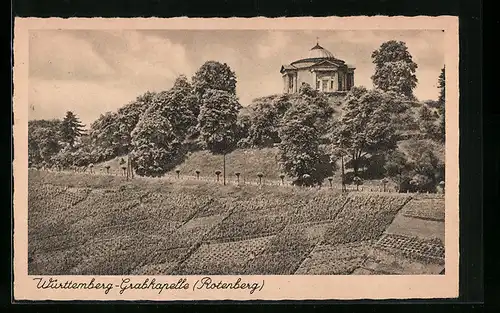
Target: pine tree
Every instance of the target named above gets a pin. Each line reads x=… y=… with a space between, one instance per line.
x=71 y=128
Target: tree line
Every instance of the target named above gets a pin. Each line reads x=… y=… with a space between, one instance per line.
x=364 y=130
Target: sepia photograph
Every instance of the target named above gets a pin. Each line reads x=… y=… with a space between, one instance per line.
x=178 y=152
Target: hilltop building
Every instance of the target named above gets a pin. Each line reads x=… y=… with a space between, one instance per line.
x=321 y=70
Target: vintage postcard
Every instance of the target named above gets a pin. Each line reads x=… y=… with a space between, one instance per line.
x=236 y=159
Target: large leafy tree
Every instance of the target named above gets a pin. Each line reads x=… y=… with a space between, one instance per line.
x=398 y=168
x=156 y=148
x=266 y=116
x=300 y=151
x=366 y=127
x=418 y=165
x=180 y=106
x=214 y=75
x=427 y=123
x=71 y=128
x=319 y=103
x=107 y=137
x=394 y=68
x=110 y=134
x=43 y=141
x=129 y=115
x=217 y=122
x=441 y=103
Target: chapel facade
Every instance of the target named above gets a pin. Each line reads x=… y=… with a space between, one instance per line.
x=321 y=70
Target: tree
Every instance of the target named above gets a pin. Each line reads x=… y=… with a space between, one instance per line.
x=394 y=68
x=107 y=137
x=398 y=168
x=427 y=160
x=299 y=150
x=180 y=106
x=156 y=148
x=43 y=141
x=214 y=75
x=128 y=117
x=427 y=123
x=65 y=157
x=266 y=116
x=441 y=102
x=217 y=122
x=417 y=165
x=243 y=125
x=366 y=127
x=110 y=134
x=320 y=105
x=71 y=128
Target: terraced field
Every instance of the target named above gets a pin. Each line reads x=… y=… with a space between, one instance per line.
x=109 y=226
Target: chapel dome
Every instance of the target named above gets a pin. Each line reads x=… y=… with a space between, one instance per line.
x=318 y=52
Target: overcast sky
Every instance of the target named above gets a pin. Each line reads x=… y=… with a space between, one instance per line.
x=92 y=72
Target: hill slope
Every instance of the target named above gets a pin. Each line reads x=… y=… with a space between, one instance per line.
x=248 y=162
x=103 y=225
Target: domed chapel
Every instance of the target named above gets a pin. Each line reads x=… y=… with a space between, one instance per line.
x=320 y=69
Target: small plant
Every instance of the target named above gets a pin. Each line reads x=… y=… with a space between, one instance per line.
x=441 y=184
x=122 y=161
x=330 y=179
x=237 y=176
x=260 y=175
x=282 y=176
x=357 y=181
x=385 y=181
x=178 y=173
x=218 y=174
x=197 y=174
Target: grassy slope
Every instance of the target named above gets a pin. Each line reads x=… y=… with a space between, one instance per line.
x=246 y=161
x=97 y=225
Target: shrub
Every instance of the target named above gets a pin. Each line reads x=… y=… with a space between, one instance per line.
x=260 y=175
x=218 y=174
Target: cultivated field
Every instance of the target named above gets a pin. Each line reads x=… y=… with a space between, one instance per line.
x=85 y=224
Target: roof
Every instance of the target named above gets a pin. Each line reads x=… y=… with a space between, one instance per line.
x=289 y=67
x=308 y=63
x=319 y=52
x=316 y=55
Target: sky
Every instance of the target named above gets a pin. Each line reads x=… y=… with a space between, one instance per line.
x=91 y=72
